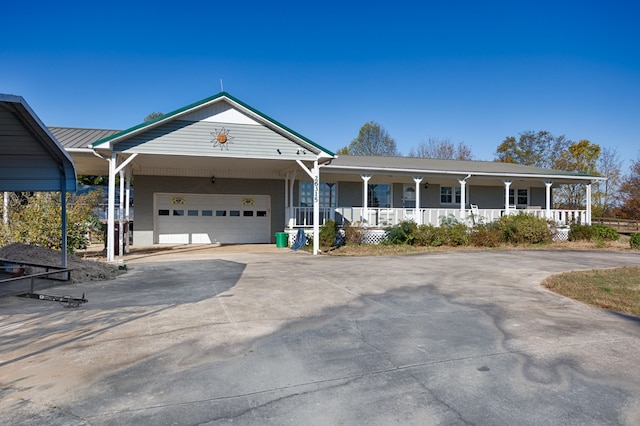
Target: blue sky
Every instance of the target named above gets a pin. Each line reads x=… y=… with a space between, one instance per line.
x=472 y=72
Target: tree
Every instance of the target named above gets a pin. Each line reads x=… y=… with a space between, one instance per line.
x=630 y=193
x=580 y=157
x=152 y=116
x=35 y=218
x=373 y=139
x=604 y=193
x=441 y=149
x=343 y=151
x=532 y=149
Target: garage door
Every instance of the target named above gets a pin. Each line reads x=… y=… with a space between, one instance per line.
x=206 y=218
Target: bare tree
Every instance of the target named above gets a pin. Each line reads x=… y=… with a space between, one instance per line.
x=442 y=149
x=605 y=193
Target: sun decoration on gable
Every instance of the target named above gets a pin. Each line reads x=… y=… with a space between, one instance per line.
x=221 y=138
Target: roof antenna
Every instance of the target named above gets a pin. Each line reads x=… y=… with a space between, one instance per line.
x=221 y=86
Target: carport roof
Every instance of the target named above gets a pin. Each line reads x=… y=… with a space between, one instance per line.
x=31 y=159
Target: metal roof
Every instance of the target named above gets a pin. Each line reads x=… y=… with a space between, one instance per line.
x=412 y=165
x=74 y=138
x=31 y=159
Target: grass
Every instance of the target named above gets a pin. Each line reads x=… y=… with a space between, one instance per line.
x=613 y=289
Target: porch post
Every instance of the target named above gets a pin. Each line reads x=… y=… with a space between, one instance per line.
x=292 y=182
x=111 y=208
x=418 y=216
x=286 y=200
x=548 y=184
x=316 y=207
x=463 y=199
x=365 y=199
x=507 y=184
x=588 y=218
x=127 y=203
x=121 y=215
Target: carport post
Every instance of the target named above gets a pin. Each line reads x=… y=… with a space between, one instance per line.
x=316 y=207
x=111 y=208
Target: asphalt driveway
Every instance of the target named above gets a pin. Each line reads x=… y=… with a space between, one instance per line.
x=288 y=338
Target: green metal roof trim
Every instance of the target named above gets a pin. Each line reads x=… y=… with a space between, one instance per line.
x=205 y=101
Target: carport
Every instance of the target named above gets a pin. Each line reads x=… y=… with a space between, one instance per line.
x=31 y=159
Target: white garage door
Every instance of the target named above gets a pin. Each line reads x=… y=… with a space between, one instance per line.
x=205 y=218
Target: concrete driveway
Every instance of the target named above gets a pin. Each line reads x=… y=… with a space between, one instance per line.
x=288 y=338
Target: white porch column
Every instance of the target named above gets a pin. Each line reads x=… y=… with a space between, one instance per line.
x=292 y=181
x=418 y=216
x=463 y=199
x=286 y=201
x=316 y=207
x=548 y=184
x=588 y=218
x=507 y=184
x=111 y=201
x=127 y=204
x=121 y=215
x=365 y=199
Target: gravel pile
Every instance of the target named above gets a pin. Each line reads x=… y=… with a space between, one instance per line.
x=83 y=270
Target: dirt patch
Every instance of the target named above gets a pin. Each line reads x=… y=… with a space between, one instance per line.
x=83 y=270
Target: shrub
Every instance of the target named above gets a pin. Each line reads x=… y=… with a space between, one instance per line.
x=327 y=233
x=353 y=234
x=485 y=236
x=603 y=232
x=579 y=232
x=428 y=236
x=402 y=233
x=523 y=228
x=35 y=218
x=455 y=235
x=634 y=242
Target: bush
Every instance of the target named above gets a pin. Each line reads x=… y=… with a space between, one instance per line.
x=402 y=233
x=455 y=235
x=603 y=232
x=485 y=236
x=592 y=232
x=353 y=234
x=523 y=228
x=327 y=233
x=35 y=219
x=428 y=236
x=579 y=232
x=634 y=242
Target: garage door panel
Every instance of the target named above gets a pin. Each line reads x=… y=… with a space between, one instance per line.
x=205 y=219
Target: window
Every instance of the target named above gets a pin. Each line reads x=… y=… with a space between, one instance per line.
x=449 y=195
x=207 y=213
x=178 y=212
x=247 y=213
x=261 y=213
x=234 y=212
x=328 y=197
x=220 y=213
x=379 y=195
x=192 y=212
x=519 y=197
x=163 y=212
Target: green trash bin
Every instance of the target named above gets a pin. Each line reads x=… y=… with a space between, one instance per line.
x=282 y=240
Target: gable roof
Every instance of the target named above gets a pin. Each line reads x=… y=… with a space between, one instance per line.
x=31 y=159
x=263 y=119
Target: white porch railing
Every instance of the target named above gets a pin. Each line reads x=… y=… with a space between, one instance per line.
x=383 y=217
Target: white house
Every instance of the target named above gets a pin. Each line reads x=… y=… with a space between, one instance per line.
x=219 y=170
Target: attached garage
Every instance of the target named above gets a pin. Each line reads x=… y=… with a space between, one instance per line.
x=212 y=218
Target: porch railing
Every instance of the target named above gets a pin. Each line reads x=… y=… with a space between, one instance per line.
x=383 y=217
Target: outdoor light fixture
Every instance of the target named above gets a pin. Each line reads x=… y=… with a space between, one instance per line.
x=426 y=185
x=213 y=179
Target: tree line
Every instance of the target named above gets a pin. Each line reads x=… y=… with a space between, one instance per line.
x=617 y=196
